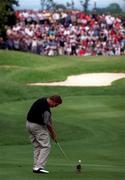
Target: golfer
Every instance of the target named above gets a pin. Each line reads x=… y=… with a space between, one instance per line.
x=40 y=127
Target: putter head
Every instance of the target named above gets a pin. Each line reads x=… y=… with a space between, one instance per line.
x=78 y=168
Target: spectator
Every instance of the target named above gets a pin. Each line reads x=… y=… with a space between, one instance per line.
x=70 y=33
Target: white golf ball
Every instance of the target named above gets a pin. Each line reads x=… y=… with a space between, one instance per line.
x=79 y=161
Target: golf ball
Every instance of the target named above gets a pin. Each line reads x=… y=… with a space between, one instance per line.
x=79 y=161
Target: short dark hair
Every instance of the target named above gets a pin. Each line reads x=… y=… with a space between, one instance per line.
x=56 y=99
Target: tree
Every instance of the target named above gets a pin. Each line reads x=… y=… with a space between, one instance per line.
x=70 y=5
x=60 y=6
x=114 y=8
x=84 y=4
x=124 y=6
x=7 y=16
x=47 y=4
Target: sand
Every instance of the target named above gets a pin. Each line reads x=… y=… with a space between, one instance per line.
x=82 y=80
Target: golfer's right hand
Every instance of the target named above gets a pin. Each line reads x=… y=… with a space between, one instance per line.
x=54 y=137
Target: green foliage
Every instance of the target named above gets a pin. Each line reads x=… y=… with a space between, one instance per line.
x=47 y=4
x=85 y=5
x=114 y=8
x=6 y=14
x=60 y=6
x=70 y=5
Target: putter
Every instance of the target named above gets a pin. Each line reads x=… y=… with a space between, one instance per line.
x=64 y=154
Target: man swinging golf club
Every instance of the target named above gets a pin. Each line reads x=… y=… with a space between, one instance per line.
x=40 y=127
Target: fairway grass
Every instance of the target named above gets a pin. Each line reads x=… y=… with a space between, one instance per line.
x=90 y=123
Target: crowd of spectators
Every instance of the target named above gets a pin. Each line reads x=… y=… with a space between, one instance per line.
x=66 y=33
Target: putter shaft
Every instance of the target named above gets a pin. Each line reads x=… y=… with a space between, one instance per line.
x=62 y=151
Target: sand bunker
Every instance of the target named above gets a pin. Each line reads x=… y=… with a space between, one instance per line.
x=89 y=79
